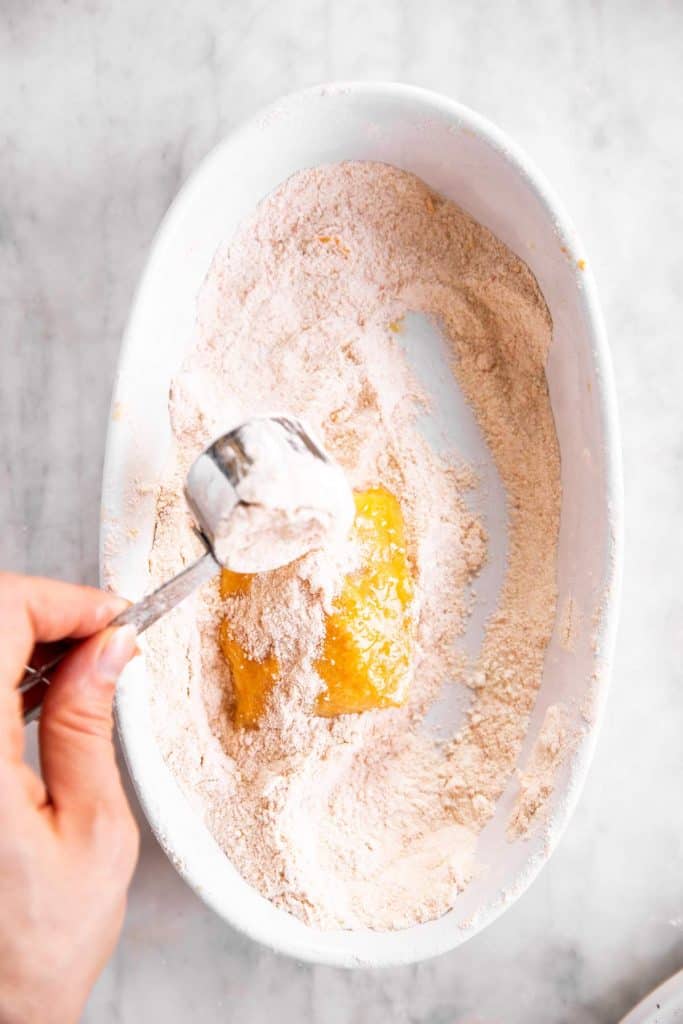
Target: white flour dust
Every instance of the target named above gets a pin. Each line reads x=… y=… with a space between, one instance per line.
x=362 y=820
x=281 y=499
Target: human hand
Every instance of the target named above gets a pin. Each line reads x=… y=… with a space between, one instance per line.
x=68 y=841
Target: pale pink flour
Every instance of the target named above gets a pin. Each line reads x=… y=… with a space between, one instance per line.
x=364 y=820
x=537 y=780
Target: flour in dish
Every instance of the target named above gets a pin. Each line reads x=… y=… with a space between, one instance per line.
x=361 y=820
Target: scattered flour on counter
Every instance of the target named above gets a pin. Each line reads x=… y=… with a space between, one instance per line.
x=363 y=820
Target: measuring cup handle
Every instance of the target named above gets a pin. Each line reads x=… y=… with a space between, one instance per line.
x=142 y=614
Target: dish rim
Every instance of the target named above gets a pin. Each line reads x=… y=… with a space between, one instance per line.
x=605 y=634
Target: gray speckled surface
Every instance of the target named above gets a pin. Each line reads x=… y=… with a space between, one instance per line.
x=105 y=109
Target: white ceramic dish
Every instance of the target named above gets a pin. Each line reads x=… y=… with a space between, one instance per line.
x=663 y=1006
x=467 y=159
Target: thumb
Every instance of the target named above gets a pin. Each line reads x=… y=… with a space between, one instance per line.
x=76 y=750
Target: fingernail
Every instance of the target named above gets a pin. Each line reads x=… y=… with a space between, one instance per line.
x=117 y=652
x=109 y=609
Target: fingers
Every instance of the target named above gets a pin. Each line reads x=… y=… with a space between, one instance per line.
x=76 y=749
x=34 y=609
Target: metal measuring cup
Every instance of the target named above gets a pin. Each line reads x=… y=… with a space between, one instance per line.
x=224 y=484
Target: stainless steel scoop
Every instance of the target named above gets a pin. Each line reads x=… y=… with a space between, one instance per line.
x=222 y=483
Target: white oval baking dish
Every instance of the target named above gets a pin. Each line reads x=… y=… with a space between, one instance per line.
x=467 y=159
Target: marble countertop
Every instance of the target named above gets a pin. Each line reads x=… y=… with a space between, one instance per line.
x=106 y=108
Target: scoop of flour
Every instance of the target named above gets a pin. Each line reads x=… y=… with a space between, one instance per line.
x=292 y=499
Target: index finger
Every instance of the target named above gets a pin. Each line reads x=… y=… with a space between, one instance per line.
x=36 y=609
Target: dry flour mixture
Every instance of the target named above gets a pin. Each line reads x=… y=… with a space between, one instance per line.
x=362 y=819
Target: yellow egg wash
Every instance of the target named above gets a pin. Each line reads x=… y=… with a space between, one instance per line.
x=252 y=680
x=367 y=651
